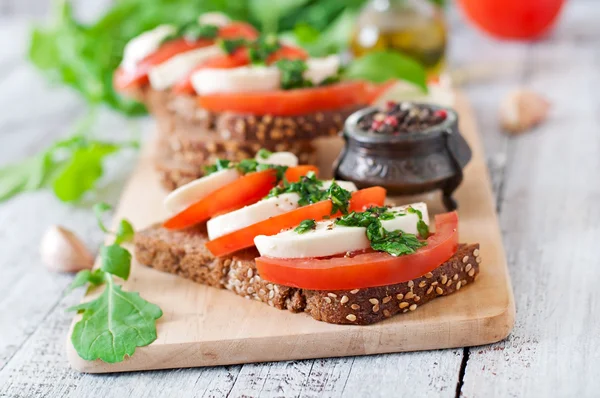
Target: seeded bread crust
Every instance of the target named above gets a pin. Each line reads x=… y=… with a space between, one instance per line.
x=180 y=114
x=184 y=253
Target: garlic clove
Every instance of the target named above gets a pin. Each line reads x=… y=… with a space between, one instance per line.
x=63 y=251
x=522 y=110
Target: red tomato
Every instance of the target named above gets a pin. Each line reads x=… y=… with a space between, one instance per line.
x=295 y=102
x=237 y=59
x=513 y=19
x=287 y=52
x=124 y=80
x=243 y=238
x=244 y=191
x=364 y=270
x=238 y=30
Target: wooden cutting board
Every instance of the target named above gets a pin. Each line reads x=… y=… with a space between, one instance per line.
x=204 y=326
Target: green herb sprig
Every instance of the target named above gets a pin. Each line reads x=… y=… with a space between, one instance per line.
x=422 y=227
x=69 y=167
x=245 y=166
x=292 y=74
x=310 y=189
x=396 y=243
x=117 y=322
x=305 y=226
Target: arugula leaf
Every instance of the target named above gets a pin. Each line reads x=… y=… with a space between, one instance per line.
x=117 y=322
x=397 y=66
x=114 y=325
x=115 y=260
x=27 y=175
x=305 y=226
x=99 y=209
x=86 y=276
x=82 y=172
x=124 y=233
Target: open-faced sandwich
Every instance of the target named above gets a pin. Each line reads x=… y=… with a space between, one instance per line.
x=272 y=231
x=219 y=90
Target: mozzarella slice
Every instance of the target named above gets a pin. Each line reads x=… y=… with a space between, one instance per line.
x=174 y=69
x=258 y=78
x=320 y=69
x=279 y=159
x=241 y=79
x=145 y=44
x=329 y=239
x=260 y=211
x=214 y=18
x=188 y=194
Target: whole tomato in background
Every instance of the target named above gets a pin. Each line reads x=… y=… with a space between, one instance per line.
x=513 y=19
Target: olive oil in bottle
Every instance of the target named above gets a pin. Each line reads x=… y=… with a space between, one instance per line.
x=413 y=27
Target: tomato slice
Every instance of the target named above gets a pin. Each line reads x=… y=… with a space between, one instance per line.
x=238 y=58
x=238 y=30
x=295 y=102
x=287 y=52
x=365 y=270
x=124 y=80
x=244 y=191
x=243 y=238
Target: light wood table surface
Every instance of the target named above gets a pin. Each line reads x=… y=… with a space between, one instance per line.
x=547 y=187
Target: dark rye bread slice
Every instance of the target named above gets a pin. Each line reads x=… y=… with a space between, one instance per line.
x=181 y=115
x=183 y=253
x=179 y=164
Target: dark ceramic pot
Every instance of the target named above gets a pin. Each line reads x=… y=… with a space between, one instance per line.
x=405 y=164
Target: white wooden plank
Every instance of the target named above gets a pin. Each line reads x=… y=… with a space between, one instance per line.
x=550 y=218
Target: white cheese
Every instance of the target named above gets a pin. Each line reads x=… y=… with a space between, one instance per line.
x=145 y=44
x=320 y=69
x=233 y=80
x=174 y=69
x=258 y=78
x=214 y=18
x=188 y=194
x=259 y=211
x=279 y=159
x=329 y=239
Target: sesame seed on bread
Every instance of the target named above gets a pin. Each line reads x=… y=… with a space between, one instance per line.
x=184 y=253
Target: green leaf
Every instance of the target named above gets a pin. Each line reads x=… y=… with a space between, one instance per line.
x=125 y=232
x=264 y=153
x=115 y=260
x=114 y=325
x=82 y=171
x=99 y=210
x=381 y=66
x=86 y=276
x=305 y=226
x=269 y=12
x=27 y=175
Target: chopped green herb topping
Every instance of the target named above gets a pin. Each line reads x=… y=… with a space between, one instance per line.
x=305 y=226
x=264 y=153
x=245 y=166
x=195 y=31
x=229 y=46
x=262 y=48
x=220 y=164
x=396 y=243
x=422 y=227
x=292 y=73
x=310 y=189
